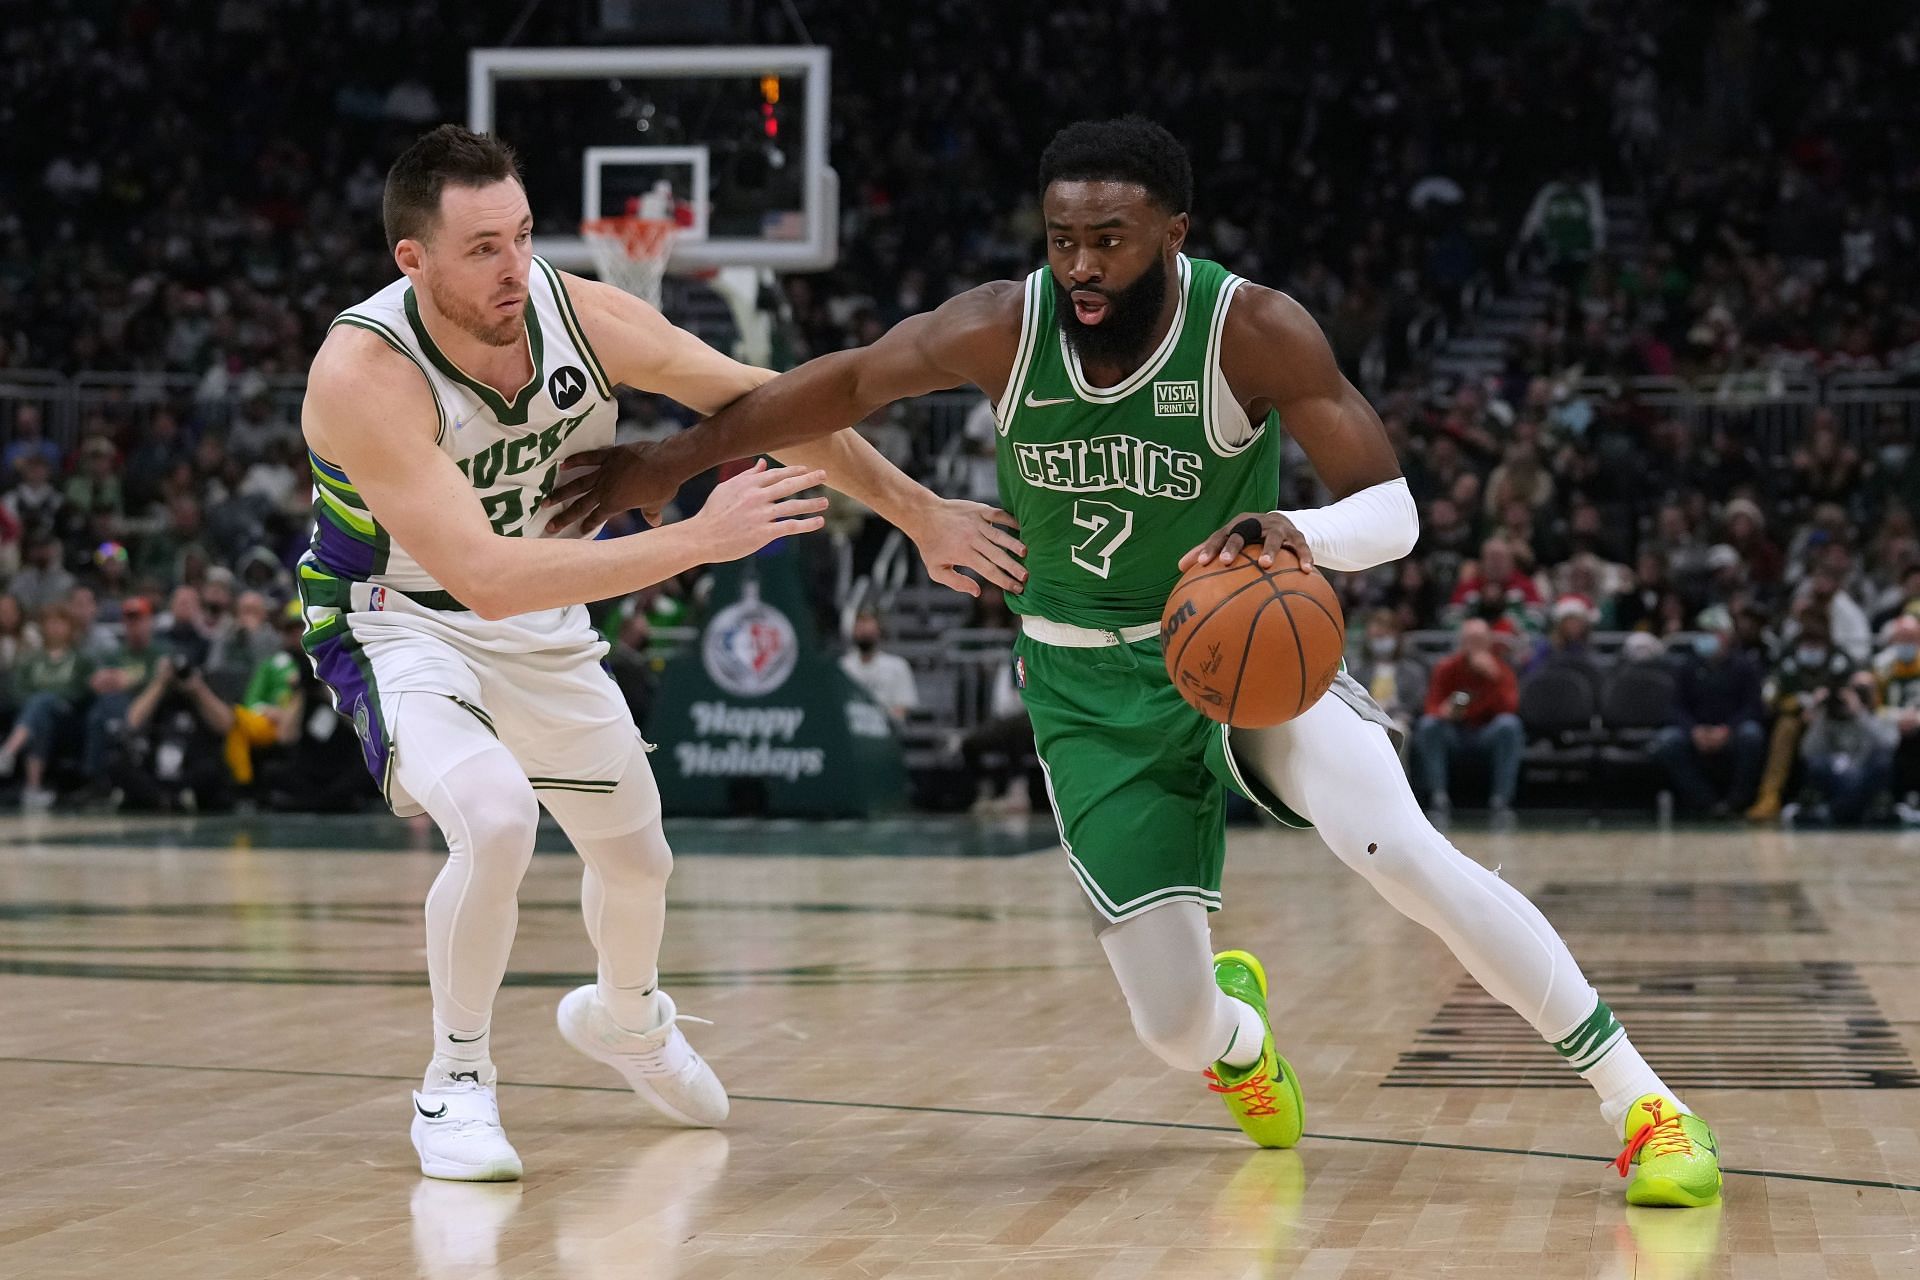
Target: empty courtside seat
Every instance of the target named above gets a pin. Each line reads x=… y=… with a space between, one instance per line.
x=1561 y=713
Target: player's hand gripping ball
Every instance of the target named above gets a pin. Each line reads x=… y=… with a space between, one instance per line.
x=1252 y=647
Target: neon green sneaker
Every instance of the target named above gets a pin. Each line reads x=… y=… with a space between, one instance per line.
x=1265 y=1097
x=1678 y=1159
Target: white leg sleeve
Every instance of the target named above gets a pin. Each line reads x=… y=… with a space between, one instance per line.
x=1165 y=966
x=1341 y=774
x=623 y=891
x=448 y=761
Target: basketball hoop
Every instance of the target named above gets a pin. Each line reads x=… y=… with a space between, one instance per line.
x=631 y=252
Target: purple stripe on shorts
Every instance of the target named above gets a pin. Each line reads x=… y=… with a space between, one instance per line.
x=342 y=667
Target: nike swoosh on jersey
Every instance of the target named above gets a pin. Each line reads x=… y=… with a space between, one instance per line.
x=1041 y=404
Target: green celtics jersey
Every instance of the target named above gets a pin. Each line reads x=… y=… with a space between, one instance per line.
x=1112 y=485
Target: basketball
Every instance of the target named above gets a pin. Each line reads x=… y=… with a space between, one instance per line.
x=1252 y=647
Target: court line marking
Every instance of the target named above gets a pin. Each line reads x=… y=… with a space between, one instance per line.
x=977 y=1112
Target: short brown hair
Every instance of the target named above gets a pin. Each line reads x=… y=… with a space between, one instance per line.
x=449 y=155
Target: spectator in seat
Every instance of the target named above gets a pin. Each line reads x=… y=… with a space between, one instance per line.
x=1812 y=666
x=1847 y=624
x=1397 y=680
x=1746 y=532
x=886 y=677
x=1497 y=592
x=1472 y=708
x=42 y=581
x=50 y=683
x=1848 y=751
x=1570 y=643
x=1897 y=668
x=1718 y=711
x=115 y=682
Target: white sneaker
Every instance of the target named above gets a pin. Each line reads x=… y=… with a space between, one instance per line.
x=659 y=1065
x=456 y=1128
x=36 y=800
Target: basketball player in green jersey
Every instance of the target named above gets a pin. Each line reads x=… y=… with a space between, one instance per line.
x=1140 y=395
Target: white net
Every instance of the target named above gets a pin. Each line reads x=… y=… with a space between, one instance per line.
x=631 y=253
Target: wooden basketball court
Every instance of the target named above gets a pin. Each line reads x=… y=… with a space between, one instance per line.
x=210 y=1031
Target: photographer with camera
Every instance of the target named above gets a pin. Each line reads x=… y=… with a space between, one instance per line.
x=1847 y=750
x=171 y=755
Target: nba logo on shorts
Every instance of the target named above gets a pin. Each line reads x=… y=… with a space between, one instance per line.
x=377 y=599
x=1019 y=672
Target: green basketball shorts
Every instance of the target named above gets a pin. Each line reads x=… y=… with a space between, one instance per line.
x=1136 y=775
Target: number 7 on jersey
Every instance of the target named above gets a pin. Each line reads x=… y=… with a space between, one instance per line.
x=1108 y=526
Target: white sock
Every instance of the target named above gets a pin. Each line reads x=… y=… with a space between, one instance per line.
x=632 y=1009
x=1622 y=1077
x=461 y=1044
x=443 y=1071
x=1249 y=1036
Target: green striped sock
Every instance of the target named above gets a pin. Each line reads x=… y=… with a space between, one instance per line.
x=1589 y=1041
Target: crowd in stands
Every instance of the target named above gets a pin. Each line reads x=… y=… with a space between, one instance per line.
x=211 y=200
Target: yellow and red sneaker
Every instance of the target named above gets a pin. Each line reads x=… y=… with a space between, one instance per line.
x=1671 y=1156
x=1265 y=1097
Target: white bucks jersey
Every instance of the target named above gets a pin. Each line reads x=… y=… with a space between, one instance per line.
x=509 y=448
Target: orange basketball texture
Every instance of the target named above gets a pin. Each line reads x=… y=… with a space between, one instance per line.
x=1252 y=647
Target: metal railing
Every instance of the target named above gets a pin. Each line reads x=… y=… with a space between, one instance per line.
x=1775 y=409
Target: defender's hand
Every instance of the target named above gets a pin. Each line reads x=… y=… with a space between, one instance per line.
x=747 y=512
x=601 y=483
x=1269 y=528
x=953 y=535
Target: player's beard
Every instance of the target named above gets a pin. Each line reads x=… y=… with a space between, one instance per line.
x=481 y=323
x=1132 y=315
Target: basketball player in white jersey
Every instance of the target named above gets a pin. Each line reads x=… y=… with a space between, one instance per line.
x=452 y=632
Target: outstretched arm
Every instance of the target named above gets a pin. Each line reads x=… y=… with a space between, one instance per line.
x=1275 y=357
x=970 y=338
x=368 y=411
x=641 y=349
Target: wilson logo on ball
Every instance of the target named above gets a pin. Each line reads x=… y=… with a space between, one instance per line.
x=1252 y=647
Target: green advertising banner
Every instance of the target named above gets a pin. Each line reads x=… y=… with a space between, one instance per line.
x=757 y=719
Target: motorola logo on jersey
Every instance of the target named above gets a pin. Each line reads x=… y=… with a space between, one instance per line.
x=566 y=386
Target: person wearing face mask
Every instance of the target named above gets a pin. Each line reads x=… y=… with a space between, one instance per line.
x=1716 y=729
x=1848 y=751
x=1397 y=680
x=1897 y=670
x=886 y=677
x=1812 y=664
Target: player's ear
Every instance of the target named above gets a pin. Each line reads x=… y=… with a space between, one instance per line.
x=1177 y=231
x=407 y=256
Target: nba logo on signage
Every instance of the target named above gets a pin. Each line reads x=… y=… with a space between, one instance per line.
x=1176 y=399
x=750 y=648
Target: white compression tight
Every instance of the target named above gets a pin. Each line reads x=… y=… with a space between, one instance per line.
x=479 y=796
x=1340 y=773
x=1164 y=963
x=623 y=888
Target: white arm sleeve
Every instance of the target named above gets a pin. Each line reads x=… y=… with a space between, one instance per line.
x=1363 y=529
